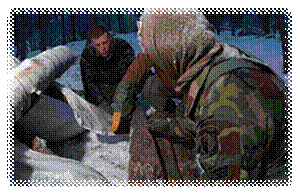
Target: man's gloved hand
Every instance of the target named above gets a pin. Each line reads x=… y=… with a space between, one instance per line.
x=116 y=121
x=166 y=126
x=120 y=125
x=159 y=125
x=123 y=105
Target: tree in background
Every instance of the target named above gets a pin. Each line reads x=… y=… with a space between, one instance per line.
x=43 y=20
x=20 y=29
x=235 y=20
x=120 y=19
x=63 y=29
x=73 y=28
x=264 y=21
x=37 y=30
x=282 y=24
x=108 y=22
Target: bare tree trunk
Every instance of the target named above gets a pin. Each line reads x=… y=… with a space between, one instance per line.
x=218 y=27
x=73 y=27
x=107 y=22
x=282 y=26
x=235 y=19
x=121 y=29
x=265 y=22
x=232 y=25
x=43 y=26
x=93 y=21
x=23 y=22
x=15 y=30
x=63 y=29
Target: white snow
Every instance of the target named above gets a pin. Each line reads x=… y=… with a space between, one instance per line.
x=266 y=49
x=110 y=155
x=107 y=155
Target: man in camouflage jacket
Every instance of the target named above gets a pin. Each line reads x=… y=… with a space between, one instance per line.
x=232 y=113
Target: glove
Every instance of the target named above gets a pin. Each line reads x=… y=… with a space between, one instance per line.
x=116 y=121
x=166 y=126
x=120 y=125
x=159 y=125
x=123 y=105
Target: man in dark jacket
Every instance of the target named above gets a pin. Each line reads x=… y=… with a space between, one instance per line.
x=103 y=63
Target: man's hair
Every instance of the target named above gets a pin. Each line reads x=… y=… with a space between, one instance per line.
x=95 y=32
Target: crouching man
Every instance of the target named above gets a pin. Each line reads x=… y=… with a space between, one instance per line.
x=103 y=64
x=232 y=111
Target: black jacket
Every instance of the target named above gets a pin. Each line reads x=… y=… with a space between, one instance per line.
x=98 y=73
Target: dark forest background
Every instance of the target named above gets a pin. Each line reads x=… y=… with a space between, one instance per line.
x=37 y=31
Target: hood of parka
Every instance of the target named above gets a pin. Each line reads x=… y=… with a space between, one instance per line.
x=177 y=41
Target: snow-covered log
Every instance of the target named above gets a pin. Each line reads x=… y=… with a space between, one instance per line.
x=34 y=75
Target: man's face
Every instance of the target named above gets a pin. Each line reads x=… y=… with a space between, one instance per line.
x=102 y=44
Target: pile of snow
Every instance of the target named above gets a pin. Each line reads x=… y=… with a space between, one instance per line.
x=37 y=167
x=109 y=155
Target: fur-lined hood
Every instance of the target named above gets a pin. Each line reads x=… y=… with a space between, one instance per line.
x=177 y=41
x=182 y=44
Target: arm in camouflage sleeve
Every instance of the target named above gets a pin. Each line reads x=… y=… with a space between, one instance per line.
x=123 y=102
x=232 y=131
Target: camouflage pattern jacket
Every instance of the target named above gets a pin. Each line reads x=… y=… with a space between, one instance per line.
x=236 y=120
x=235 y=115
x=239 y=120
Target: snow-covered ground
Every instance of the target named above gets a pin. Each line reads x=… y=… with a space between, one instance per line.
x=110 y=155
x=266 y=49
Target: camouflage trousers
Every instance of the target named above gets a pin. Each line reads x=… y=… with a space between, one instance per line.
x=154 y=157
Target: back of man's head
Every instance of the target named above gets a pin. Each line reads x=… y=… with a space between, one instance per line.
x=174 y=38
